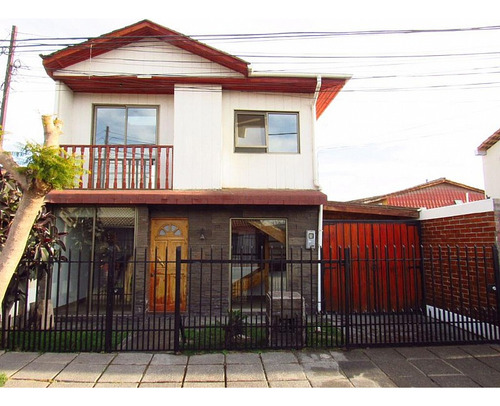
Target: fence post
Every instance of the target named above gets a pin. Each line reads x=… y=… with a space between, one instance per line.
x=496 y=269
x=108 y=334
x=177 y=308
x=347 y=262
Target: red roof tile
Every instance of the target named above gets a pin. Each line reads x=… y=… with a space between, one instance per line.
x=437 y=193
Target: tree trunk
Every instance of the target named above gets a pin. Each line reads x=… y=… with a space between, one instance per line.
x=13 y=250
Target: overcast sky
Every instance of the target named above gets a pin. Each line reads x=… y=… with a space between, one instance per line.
x=416 y=108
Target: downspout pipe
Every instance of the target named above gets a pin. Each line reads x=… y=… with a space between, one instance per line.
x=317 y=185
x=313 y=137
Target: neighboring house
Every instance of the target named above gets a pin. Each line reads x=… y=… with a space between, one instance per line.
x=437 y=193
x=185 y=146
x=490 y=152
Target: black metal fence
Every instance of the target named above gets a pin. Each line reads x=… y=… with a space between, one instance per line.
x=349 y=297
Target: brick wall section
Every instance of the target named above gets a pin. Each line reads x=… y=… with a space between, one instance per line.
x=466 y=230
x=459 y=264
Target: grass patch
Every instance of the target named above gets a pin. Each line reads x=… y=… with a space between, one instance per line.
x=214 y=338
x=3 y=379
x=323 y=336
x=60 y=341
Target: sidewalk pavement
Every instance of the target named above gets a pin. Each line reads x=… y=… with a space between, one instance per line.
x=424 y=367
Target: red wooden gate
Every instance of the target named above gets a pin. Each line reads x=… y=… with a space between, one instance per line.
x=384 y=271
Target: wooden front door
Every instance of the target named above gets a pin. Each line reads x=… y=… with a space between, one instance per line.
x=166 y=236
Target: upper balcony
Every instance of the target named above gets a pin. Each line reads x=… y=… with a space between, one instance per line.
x=140 y=167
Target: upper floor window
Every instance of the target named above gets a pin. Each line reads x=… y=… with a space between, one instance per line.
x=123 y=125
x=266 y=132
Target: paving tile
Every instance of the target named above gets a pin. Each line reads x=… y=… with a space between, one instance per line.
x=56 y=358
x=204 y=385
x=354 y=368
x=284 y=372
x=11 y=367
x=23 y=383
x=204 y=373
x=290 y=384
x=71 y=385
x=116 y=385
x=123 y=373
x=169 y=359
x=383 y=354
x=132 y=358
x=454 y=381
x=18 y=357
x=77 y=372
x=331 y=383
x=39 y=371
x=93 y=358
x=435 y=367
x=478 y=371
x=416 y=353
x=352 y=355
x=362 y=381
x=249 y=384
x=449 y=352
x=248 y=372
x=365 y=374
x=243 y=358
x=492 y=362
x=400 y=368
x=480 y=350
x=421 y=381
x=323 y=370
x=305 y=357
x=206 y=359
x=164 y=373
x=273 y=357
x=160 y=385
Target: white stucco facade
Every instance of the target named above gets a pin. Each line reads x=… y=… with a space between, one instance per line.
x=491 y=171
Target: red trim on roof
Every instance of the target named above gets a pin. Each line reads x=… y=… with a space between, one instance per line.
x=132 y=33
x=489 y=142
x=188 y=197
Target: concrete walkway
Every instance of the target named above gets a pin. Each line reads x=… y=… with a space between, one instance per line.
x=425 y=367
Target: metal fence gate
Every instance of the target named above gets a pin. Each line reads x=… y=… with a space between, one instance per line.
x=348 y=297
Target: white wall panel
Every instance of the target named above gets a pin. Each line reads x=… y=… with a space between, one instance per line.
x=267 y=171
x=197 y=137
x=491 y=170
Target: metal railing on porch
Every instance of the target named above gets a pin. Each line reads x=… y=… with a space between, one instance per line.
x=124 y=166
x=417 y=296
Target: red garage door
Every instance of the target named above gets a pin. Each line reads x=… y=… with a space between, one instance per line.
x=384 y=273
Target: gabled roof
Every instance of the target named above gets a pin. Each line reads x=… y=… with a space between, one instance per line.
x=437 y=193
x=158 y=84
x=132 y=33
x=488 y=143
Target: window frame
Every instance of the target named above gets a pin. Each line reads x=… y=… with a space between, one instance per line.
x=126 y=107
x=264 y=148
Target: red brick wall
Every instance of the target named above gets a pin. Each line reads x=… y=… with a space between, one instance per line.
x=465 y=230
x=458 y=265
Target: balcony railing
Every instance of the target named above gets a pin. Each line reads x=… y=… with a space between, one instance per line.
x=124 y=166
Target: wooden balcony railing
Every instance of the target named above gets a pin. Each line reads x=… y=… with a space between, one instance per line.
x=124 y=166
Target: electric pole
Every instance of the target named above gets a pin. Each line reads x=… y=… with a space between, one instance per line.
x=8 y=75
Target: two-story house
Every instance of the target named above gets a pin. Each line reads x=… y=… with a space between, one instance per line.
x=184 y=146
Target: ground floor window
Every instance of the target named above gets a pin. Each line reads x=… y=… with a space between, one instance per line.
x=254 y=242
x=94 y=236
